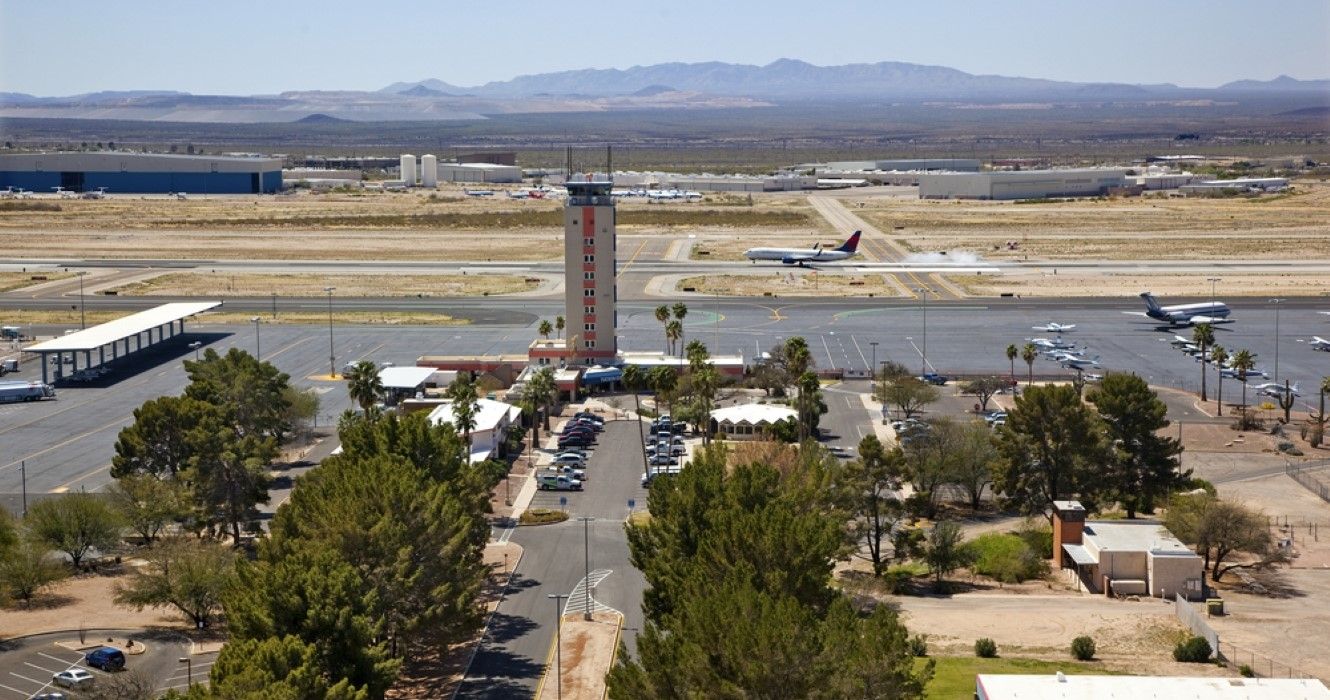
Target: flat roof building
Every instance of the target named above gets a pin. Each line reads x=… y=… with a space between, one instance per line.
x=1022 y=184
x=961 y=165
x=119 y=171
x=739 y=183
x=1124 y=557
x=478 y=172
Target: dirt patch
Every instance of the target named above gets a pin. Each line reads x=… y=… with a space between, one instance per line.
x=588 y=650
x=10 y=281
x=203 y=284
x=84 y=601
x=791 y=283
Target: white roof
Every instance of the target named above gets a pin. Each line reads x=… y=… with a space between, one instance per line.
x=127 y=327
x=1133 y=536
x=488 y=416
x=405 y=377
x=753 y=414
x=1073 y=687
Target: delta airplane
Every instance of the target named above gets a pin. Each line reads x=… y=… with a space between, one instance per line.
x=1185 y=314
x=801 y=256
x=1054 y=327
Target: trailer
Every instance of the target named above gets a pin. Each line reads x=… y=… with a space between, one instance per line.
x=8 y=366
x=25 y=391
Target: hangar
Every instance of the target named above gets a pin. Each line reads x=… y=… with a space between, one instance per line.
x=123 y=172
x=1022 y=184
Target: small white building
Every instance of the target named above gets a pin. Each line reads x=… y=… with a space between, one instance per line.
x=750 y=421
x=1124 y=557
x=492 y=420
x=1241 y=184
x=478 y=172
x=1085 y=687
x=1022 y=184
x=410 y=382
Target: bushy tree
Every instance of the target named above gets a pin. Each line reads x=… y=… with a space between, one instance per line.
x=26 y=568
x=1143 y=464
x=945 y=552
x=186 y=574
x=147 y=504
x=908 y=394
x=229 y=473
x=251 y=395
x=984 y=388
x=1220 y=529
x=74 y=523
x=1051 y=447
x=274 y=668
x=870 y=487
x=157 y=442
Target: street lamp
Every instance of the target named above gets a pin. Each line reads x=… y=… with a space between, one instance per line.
x=586 y=554
x=923 y=293
x=872 y=369
x=1212 y=281
x=558 y=642
x=332 y=355
x=1277 y=302
x=195 y=347
x=258 y=348
x=189 y=670
x=83 y=323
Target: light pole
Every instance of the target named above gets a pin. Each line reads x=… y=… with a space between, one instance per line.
x=558 y=642
x=195 y=347
x=873 y=368
x=1277 y=302
x=258 y=347
x=586 y=554
x=83 y=323
x=189 y=670
x=1212 y=281
x=332 y=355
x=923 y=299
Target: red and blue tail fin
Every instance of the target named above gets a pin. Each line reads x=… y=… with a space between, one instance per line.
x=851 y=244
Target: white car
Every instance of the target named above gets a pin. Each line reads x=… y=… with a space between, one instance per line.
x=73 y=678
x=572 y=459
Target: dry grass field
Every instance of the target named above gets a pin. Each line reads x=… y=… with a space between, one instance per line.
x=1293 y=225
x=1080 y=283
x=17 y=280
x=791 y=283
x=30 y=317
x=203 y=284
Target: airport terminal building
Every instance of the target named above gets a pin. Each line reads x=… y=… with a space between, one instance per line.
x=121 y=172
x=1022 y=184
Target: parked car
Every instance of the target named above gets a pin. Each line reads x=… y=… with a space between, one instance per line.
x=73 y=678
x=662 y=460
x=557 y=482
x=933 y=378
x=678 y=449
x=588 y=422
x=994 y=416
x=568 y=471
x=570 y=458
x=567 y=441
x=53 y=695
x=105 y=658
x=587 y=415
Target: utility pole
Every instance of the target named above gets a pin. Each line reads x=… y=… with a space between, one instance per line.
x=1277 y=302
x=83 y=320
x=872 y=369
x=558 y=641
x=923 y=299
x=586 y=554
x=332 y=355
x=23 y=470
x=258 y=347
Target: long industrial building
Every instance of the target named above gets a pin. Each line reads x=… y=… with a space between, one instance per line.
x=1022 y=184
x=959 y=165
x=478 y=172
x=122 y=172
x=739 y=183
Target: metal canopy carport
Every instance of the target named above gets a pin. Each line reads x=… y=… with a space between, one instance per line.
x=162 y=318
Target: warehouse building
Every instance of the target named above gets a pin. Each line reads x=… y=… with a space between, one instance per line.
x=140 y=173
x=478 y=172
x=1022 y=184
x=740 y=183
x=1242 y=184
x=957 y=165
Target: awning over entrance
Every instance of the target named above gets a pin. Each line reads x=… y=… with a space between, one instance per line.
x=1079 y=554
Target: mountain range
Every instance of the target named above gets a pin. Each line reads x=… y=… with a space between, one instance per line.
x=710 y=85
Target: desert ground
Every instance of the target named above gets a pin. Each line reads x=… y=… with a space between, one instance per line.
x=204 y=284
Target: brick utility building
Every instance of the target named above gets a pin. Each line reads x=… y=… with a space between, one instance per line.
x=1124 y=557
x=121 y=172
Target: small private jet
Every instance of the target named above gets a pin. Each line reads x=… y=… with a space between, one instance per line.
x=1319 y=343
x=64 y=193
x=803 y=256
x=1049 y=345
x=1071 y=360
x=1211 y=312
x=1054 y=327
x=99 y=193
x=1233 y=373
x=1275 y=391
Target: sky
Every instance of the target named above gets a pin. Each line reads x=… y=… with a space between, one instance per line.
x=241 y=47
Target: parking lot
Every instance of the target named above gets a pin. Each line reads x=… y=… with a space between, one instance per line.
x=613 y=477
x=28 y=664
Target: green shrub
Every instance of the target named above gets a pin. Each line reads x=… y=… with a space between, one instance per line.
x=542 y=516
x=896 y=576
x=1038 y=536
x=1194 y=650
x=1082 y=648
x=985 y=648
x=1246 y=672
x=919 y=645
x=1006 y=558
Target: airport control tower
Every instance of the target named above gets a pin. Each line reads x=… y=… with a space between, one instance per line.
x=589 y=272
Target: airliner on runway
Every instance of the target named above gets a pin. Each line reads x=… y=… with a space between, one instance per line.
x=801 y=256
x=1186 y=314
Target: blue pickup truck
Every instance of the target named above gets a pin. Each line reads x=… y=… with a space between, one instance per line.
x=933 y=378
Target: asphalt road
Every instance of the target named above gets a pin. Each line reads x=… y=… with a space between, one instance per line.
x=518 y=642
x=27 y=664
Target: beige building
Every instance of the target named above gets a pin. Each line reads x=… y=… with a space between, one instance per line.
x=1124 y=557
x=1022 y=184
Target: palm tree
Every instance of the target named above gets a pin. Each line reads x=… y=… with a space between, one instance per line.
x=663 y=316
x=1320 y=415
x=673 y=332
x=807 y=403
x=544 y=329
x=466 y=404
x=1219 y=356
x=663 y=380
x=632 y=381
x=697 y=354
x=1204 y=336
x=559 y=325
x=1012 y=354
x=798 y=358
x=536 y=395
x=363 y=384
x=1243 y=362
x=680 y=311
x=1029 y=353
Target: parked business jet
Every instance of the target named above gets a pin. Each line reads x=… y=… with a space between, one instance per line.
x=64 y=193
x=801 y=256
x=1185 y=314
x=99 y=193
x=1054 y=327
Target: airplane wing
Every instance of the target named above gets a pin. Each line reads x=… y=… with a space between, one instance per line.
x=1208 y=319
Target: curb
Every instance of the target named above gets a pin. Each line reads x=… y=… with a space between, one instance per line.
x=614 y=657
x=484 y=630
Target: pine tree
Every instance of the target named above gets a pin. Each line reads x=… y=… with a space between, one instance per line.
x=1052 y=448
x=1143 y=464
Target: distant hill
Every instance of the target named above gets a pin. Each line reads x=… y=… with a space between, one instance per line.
x=653 y=90
x=321 y=119
x=1283 y=83
x=431 y=84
